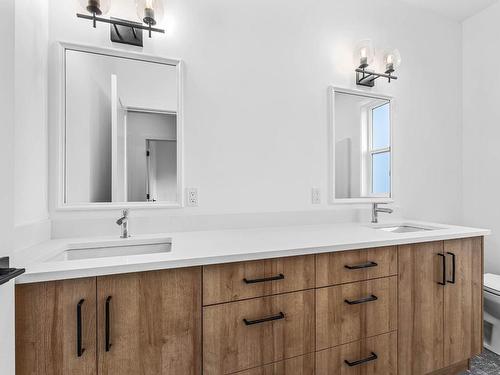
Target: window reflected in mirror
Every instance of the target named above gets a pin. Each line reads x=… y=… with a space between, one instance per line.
x=362 y=146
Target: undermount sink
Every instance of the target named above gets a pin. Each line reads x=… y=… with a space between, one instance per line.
x=105 y=250
x=404 y=228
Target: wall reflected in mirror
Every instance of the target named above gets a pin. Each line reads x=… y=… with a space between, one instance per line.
x=120 y=130
x=362 y=146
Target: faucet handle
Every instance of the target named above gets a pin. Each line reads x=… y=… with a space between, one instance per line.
x=125 y=212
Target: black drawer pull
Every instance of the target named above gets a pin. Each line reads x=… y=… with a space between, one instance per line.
x=443 y=257
x=79 y=345
x=107 y=321
x=362 y=300
x=264 y=280
x=454 y=268
x=264 y=320
x=361 y=266
x=371 y=358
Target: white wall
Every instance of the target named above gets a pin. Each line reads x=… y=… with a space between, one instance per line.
x=88 y=139
x=7 y=327
x=163 y=170
x=31 y=139
x=7 y=130
x=481 y=129
x=140 y=127
x=7 y=208
x=347 y=138
x=256 y=79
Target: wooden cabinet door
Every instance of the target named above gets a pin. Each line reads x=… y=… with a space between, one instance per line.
x=420 y=308
x=154 y=323
x=50 y=317
x=463 y=300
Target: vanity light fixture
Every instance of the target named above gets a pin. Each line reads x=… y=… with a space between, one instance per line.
x=366 y=53
x=125 y=31
x=392 y=61
x=149 y=11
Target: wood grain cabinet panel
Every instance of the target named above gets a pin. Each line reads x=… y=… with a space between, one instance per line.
x=242 y=280
x=154 y=323
x=463 y=300
x=373 y=356
x=421 y=304
x=350 y=312
x=47 y=324
x=357 y=265
x=251 y=333
x=440 y=304
x=303 y=365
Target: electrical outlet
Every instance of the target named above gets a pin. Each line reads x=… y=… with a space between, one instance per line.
x=192 y=197
x=316 y=196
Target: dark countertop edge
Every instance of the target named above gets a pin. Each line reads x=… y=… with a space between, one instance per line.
x=11 y=275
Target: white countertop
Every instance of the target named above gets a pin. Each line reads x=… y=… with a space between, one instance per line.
x=211 y=247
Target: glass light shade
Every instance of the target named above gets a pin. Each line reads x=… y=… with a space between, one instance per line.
x=392 y=60
x=99 y=7
x=150 y=11
x=364 y=53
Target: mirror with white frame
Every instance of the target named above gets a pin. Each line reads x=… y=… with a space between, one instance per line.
x=361 y=147
x=121 y=129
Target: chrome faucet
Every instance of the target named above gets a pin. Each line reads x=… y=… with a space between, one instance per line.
x=376 y=209
x=123 y=222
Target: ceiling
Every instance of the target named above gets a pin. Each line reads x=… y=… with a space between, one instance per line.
x=454 y=9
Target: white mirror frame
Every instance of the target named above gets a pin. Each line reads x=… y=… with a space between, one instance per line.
x=332 y=90
x=59 y=175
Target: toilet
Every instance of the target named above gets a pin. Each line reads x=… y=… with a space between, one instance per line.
x=492 y=312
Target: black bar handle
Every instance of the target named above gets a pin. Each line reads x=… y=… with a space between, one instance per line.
x=443 y=257
x=371 y=358
x=264 y=280
x=264 y=320
x=361 y=266
x=362 y=300
x=454 y=267
x=107 y=321
x=79 y=347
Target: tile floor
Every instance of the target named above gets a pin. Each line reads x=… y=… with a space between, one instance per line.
x=487 y=363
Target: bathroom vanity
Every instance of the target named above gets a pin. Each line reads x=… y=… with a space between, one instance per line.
x=332 y=299
x=341 y=299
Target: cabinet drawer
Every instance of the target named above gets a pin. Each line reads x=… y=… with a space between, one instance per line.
x=303 y=365
x=247 y=334
x=349 y=266
x=242 y=280
x=374 y=356
x=349 y=312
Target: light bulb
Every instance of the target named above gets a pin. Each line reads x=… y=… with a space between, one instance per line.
x=150 y=11
x=97 y=7
x=364 y=53
x=392 y=61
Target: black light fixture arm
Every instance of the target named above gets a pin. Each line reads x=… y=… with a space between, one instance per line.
x=115 y=22
x=367 y=78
